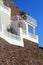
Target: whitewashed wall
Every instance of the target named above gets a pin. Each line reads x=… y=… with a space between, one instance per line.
x=5 y=19
x=24 y=25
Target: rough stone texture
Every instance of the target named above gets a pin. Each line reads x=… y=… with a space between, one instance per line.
x=16 y=55
x=14 y=10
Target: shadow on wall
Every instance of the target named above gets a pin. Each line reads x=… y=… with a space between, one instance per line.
x=10 y=29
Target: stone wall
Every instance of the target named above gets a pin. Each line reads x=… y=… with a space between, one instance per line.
x=16 y=55
x=14 y=10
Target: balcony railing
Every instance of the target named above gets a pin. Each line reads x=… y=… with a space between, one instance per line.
x=12 y=36
x=29 y=34
x=32 y=35
x=24 y=31
x=31 y=20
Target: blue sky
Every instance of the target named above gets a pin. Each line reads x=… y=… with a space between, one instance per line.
x=35 y=9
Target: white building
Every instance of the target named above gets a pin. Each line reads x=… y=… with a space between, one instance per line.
x=14 y=30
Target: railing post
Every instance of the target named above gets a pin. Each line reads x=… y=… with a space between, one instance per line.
x=37 y=39
x=20 y=31
x=34 y=30
x=21 y=36
x=2 y=28
x=27 y=29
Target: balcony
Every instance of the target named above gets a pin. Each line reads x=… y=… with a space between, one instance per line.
x=28 y=19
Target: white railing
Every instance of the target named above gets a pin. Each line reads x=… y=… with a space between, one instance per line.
x=24 y=31
x=29 y=34
x=31 y=20
x=13 y=36
x=0 y=27
x=33 y=36
x=28 y=20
